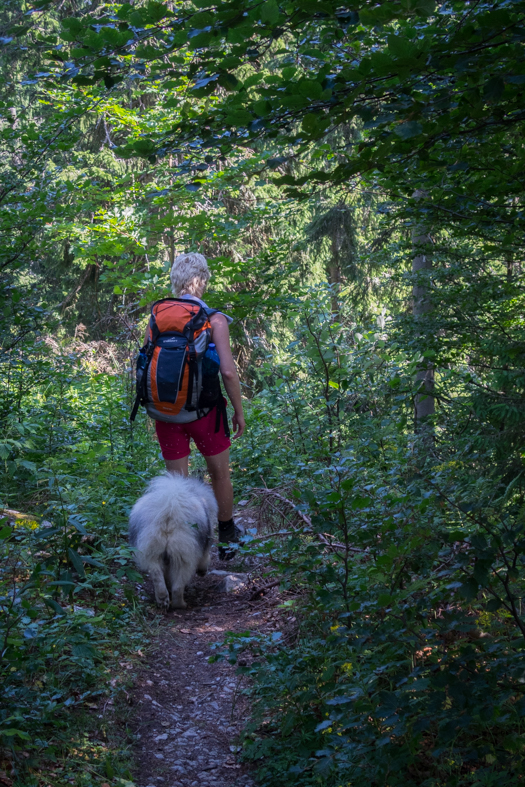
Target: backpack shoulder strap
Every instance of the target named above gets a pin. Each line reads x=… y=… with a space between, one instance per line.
x=210 y=312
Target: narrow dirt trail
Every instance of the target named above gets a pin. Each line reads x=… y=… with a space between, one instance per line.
x=187 y=713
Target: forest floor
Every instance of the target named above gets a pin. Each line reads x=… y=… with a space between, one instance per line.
x=187 y=713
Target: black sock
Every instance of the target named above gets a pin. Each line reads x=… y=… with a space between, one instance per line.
x=225 y=525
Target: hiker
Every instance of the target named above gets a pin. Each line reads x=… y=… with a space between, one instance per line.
x=171 y=395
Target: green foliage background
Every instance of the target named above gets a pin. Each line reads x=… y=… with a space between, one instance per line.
x=310 y=151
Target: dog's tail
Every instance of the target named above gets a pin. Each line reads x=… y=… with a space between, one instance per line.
x=161 y=520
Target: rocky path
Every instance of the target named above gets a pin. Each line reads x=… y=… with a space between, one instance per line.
x=188 y=713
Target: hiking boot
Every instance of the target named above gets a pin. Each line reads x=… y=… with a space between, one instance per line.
x=229 y=533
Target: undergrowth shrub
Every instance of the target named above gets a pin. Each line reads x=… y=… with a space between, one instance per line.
x=407 y=668
x=71 y=468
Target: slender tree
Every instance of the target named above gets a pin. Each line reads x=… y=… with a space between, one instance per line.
x=422 y=305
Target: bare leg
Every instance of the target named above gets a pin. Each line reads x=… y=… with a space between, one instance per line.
x=177 y=465
x=219 y=470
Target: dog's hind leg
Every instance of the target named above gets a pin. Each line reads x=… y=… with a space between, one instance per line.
x=177 y=579
x=204 y=562
x=205 y=541
x=162 y=597
x=177 y=598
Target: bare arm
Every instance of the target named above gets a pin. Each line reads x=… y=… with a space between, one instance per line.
x=220 y=335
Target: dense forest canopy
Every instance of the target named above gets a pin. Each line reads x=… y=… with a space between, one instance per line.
x=354 y=175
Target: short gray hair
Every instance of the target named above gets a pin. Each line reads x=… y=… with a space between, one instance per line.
x=189 y=273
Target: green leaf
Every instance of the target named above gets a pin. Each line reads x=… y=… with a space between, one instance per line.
x=494 y=88
x=239 y=118
x=310 y=88
x=72 y=24
x=82 y=81
x=262 y=108
x=144 y=147
x=52 y=604
x=425 y=7
x=91 y=561
x=469 y=589
x=76 y=521
x=136 y=18
x=360 y=502
x=84 y=651
x=269 y=12
x=494 y=604
x=409 y=129
x=200 y=40
x=367 y=17
x=400 y=47
x=148 y=52
x=124 y=11
x=228 y=81
x=310 y=123
x=77 y=562
x=28 y=465
x=11 y=732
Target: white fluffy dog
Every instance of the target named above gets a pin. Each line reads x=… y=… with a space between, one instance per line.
x=171 y=528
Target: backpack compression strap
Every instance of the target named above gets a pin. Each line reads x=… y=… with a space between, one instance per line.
x=135 y=410
x=147 y=352
x=221 y=413
x=193 y=370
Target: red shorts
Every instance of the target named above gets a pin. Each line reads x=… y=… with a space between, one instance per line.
x=174 y=439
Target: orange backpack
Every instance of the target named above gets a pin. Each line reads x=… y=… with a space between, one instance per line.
x=169 y=366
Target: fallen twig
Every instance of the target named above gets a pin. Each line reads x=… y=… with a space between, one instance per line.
x=262 y=591
x=306 y=519
x=12 y=514
x=320 y=536
x=273 y=493
x=271 y=535
x=335 y=544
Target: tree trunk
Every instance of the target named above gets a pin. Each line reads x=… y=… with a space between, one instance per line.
x=424 y=401
x=334 y=272
x=171 y=245
x=333 y=280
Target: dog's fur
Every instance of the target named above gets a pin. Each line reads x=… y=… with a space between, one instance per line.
x=171 y=528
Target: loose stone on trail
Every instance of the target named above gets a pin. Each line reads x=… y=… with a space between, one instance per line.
x=231 y=582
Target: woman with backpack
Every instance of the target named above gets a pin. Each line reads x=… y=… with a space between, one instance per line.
x=187 y=344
